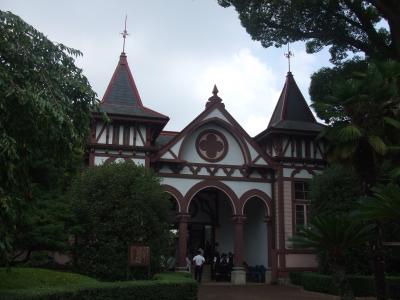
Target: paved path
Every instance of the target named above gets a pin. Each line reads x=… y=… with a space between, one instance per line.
x=258 y=292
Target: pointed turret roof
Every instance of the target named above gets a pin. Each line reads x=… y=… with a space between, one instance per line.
x=122 y=96
x=292 y=111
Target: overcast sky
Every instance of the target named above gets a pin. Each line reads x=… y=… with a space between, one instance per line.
x=177 y=50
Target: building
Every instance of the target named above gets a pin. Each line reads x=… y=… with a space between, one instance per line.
x=247 y=195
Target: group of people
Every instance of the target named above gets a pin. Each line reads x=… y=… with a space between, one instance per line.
x=221 y=264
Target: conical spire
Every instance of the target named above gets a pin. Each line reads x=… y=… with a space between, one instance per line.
x=122 y=96
x=292 y=108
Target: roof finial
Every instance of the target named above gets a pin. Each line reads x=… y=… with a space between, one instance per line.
x=124 y=35
x=214 y=98
x=288 y=55
x=215 y=90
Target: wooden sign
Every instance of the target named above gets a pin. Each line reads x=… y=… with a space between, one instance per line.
x=139 y=255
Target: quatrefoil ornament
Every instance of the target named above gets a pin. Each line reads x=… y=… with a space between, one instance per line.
x=211 y=145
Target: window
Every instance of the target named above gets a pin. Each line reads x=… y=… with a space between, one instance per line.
x=302 y=204
x=301 y=215
x=302 y=190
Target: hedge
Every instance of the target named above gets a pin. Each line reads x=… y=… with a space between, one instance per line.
x=363 y=286
x=163 y=287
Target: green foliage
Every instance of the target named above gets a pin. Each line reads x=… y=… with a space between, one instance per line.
x=28 y=278
x=363 y=131
x=384 y=206
x=115 y=206
x=163 y=287
x=335 y=191
x=344 y=26
x=44 y=118
x=363 y=286
x=334 y=234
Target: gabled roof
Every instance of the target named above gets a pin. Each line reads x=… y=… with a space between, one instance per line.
x=292 y=112
x=122 y=96
x=213 y=103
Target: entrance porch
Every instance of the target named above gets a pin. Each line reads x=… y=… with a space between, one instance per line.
x=234 y=236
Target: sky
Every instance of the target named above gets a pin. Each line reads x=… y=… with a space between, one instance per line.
x=177 y=50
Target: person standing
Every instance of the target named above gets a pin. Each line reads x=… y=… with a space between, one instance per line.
x=198 y=266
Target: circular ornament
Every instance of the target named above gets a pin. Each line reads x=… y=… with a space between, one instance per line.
x=211 y=145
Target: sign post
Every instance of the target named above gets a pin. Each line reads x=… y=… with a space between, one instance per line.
x=139 y=256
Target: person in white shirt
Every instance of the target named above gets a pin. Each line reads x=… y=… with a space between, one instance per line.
x=198 y=264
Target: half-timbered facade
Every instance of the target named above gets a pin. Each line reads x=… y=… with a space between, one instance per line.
x=232 y=192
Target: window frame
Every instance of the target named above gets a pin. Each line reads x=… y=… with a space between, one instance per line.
x=305 y=202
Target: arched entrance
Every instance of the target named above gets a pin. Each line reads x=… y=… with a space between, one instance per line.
x=210 y=225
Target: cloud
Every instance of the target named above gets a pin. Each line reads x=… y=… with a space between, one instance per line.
x=247 y=86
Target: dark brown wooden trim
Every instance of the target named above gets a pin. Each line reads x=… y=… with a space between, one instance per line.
x=175 y=194
x=218 y=134
x=141 y=135
x=228 y=127
x=121 y=147
x=208 y=177
x=101 y=132
x=255 y=193
x=118 y=155
x=211 y=184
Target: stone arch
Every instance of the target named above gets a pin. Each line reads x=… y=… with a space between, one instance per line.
x=175 y=194
x=266 y=200
x=211 y=184
x=235 y=133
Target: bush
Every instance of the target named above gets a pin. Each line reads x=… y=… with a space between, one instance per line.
x=363 y=286
x=27 y=278
x=163 y=287
x=117 y=205
x=296 y=278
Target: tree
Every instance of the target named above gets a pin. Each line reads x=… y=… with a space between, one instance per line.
x=335 y=191
x=335 y=235
x=343 y=25
x=45 y=104
x=115 y=206
x=363 y=112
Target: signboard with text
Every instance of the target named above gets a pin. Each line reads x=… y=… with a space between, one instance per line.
x=139 y=255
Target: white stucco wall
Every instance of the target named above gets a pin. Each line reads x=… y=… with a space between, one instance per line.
x=233 y=157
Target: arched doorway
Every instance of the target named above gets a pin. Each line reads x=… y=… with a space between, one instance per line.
x=210 y=225
x=256 y=236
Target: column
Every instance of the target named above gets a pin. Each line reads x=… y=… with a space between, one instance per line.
x=238 y=275
x=268 y=274
x=183 y=235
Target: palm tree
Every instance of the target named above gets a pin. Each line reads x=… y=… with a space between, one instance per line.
x=364 y=133
x=334 y=235
x=383 y=206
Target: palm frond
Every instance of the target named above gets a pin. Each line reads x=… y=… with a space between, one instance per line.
x=377 y=144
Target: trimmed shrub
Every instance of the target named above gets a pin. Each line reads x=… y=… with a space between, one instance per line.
x=296 y=278
x=363 y=286
x=163 y=287
x=114 y=206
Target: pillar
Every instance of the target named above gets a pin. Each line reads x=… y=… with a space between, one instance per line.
x=238 y=275
x=182 y=244
x=268 y=274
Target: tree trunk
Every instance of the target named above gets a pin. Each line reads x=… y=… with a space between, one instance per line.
x=342 y=282
x=379 y=264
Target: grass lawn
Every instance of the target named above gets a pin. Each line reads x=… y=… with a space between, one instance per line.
x=25 y=278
